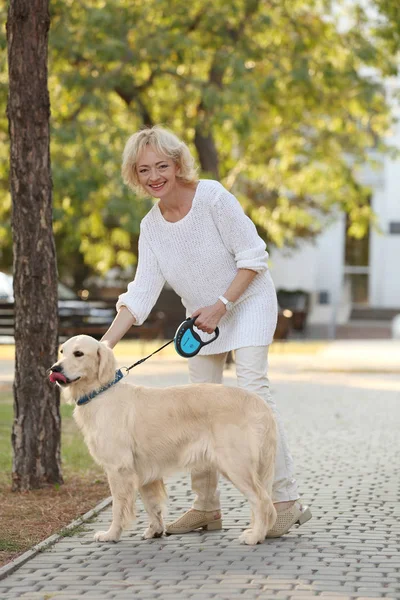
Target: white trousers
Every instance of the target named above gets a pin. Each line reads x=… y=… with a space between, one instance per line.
x=251 y=372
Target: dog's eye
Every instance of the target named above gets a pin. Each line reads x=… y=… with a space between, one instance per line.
x=61 y=350
x=78 y=354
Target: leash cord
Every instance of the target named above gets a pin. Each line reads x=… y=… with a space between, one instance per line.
x=143 y=359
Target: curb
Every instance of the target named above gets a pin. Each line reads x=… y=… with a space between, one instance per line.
x=21 y=560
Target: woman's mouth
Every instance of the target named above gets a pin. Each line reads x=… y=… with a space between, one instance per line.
x=157 y=186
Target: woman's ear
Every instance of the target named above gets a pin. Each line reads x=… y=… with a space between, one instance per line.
x=106 y=363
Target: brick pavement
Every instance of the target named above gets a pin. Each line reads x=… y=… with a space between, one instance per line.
x=345 y=440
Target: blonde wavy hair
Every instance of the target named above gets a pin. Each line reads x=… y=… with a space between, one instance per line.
x=163 y=141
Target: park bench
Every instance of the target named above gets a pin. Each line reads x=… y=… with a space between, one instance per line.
x=71 y=324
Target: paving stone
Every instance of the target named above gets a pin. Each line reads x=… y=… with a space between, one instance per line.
x=347 y=471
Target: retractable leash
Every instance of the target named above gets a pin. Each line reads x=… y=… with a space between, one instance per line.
x=187 y=342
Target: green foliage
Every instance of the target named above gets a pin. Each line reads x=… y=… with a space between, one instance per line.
x=279 y=86
x=387 y=28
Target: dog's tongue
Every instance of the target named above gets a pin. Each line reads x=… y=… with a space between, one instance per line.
x=57 y=377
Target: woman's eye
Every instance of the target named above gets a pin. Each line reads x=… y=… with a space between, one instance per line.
x=163 y=166
x=78 y=354
x=141 y=171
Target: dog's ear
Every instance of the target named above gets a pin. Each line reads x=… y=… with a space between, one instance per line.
x=106 y=363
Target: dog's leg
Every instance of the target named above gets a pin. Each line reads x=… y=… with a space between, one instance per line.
x=261 y=507
x=123 y=489
x=154 y=498
x=263 y=514
x=247 y=481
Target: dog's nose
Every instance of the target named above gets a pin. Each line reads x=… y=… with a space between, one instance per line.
x=56 y=368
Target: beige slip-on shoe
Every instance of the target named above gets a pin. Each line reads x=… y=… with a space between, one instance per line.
x=295 y=514
x=195 y=519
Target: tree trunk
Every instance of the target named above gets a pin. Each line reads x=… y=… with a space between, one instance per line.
x=207 y=151
x=36 y=427
x=204 y=139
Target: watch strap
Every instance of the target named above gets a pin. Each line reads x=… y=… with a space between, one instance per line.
x=228 y=303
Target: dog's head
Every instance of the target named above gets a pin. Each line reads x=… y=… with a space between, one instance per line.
x=86 y=364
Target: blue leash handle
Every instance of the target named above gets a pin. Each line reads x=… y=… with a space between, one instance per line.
x=187 y=342
x=185 y=336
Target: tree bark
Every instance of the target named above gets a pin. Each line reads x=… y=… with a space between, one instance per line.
x=36 y=427
x=204 y=139
x=206 y=150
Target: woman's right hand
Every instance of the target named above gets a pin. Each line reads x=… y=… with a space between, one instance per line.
x=207 y=318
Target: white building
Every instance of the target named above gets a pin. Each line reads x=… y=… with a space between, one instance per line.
x=350 y=279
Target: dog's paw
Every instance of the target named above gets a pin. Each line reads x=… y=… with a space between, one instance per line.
x=106 y=536
x=249 y=537
x=151 y=533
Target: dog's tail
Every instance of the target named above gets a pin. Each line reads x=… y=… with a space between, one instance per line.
x=266 y=467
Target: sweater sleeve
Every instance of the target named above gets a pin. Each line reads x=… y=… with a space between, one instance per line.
x=143 y=291
x=239 y=233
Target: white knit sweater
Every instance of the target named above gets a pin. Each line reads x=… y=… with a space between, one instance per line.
x=199 y=257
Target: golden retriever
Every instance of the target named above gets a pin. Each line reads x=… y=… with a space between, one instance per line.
x=140 y=434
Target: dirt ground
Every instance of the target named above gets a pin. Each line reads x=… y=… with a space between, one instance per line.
x=28 y=518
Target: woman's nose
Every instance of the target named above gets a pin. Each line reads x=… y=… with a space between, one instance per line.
x=154 y=174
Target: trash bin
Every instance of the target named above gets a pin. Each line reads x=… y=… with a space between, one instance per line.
x=298 y=302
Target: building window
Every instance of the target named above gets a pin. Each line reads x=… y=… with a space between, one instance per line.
x=356 y=270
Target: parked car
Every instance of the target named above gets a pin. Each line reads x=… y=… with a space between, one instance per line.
x=76 y=315
x=6 y=288
x=71 y=306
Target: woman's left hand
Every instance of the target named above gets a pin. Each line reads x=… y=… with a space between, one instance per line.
x=207 y=318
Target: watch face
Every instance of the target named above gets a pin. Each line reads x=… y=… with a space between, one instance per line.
x=229 y=305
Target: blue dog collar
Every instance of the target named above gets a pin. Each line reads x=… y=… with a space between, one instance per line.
x=88 y=397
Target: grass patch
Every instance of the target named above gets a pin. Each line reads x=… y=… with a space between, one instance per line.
x=6 y=419
x=74 y=454
x=30 y=517
x=7 y=545
x=74 y=531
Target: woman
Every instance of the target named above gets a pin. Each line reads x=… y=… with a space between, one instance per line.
x=198 y=239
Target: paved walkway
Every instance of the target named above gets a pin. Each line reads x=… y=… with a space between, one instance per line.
x=344 y=434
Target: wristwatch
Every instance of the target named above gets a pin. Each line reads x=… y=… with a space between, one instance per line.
x=228 y=304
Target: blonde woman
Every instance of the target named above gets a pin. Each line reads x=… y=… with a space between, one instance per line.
x=198 y=239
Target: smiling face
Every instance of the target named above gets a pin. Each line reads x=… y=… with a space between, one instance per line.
x=157 y=173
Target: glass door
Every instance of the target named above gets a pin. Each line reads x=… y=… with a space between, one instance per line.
x=356 y=269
